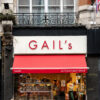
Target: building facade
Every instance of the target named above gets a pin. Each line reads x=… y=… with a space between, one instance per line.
x=52 y=24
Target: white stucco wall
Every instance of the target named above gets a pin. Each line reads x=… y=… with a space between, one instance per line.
x=7 y=1
x=0 y=23
x=0 y=5
x=88 y=16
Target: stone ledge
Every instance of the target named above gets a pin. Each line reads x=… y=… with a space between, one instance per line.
x=7 y=22
x=7 y=26
x=85 y=7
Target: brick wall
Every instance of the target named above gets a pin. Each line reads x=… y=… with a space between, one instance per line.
x=84 y=2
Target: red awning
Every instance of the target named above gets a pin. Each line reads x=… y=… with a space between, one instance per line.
x=49 y=64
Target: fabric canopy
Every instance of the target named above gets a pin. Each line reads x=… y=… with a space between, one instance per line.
x=49 y=64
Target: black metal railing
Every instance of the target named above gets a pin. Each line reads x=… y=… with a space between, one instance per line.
x=54 y=19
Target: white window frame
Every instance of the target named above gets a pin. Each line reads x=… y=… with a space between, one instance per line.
x=30 y=6
x=46 y=6
x=61 y=6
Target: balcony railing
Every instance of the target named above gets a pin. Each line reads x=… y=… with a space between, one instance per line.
x=54 y=19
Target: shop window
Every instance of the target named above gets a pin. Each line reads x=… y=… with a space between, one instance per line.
x=99 y=65
x=49 y=86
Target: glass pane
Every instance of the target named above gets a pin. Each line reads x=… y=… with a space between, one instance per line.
x=23 y=2
x=49 y=86
x=99 y=65
x=37 y=2
x=54 y=9
x=38 y=10
x=23 y=9
x=68 y=2
x=53 y=2
x=68 y=9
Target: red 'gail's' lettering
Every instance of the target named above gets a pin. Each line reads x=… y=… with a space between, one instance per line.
x=34 y=46
x=70 y=46
x=53 y=44
x=60 y=45
x=45 y=45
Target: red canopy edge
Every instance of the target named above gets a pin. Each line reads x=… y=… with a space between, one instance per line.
x=49 y=64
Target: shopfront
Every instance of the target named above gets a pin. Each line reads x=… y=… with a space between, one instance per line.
x=50 y=67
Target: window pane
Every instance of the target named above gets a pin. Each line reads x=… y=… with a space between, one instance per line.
x=23 y=9
x=38 y=10
x=53 y=2
x=68 y=9
x=68 y=2
x=99 y=64
x=23 y=2
x=37 y=2
x=54 y=9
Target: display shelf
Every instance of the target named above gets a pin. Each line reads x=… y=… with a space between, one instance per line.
x=35 y=83
x=36 y=91
x=37 y=88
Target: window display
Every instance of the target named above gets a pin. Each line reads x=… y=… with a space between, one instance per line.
x=70 y=86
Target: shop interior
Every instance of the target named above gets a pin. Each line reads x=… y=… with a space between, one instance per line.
x=69 y=86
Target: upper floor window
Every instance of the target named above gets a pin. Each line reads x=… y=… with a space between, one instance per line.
x=68 y=5
x=23 y=6
x=45 y=6
x=37 y=6
x=53 y=6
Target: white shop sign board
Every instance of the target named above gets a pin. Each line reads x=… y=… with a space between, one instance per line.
x=50 y=44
